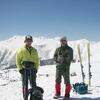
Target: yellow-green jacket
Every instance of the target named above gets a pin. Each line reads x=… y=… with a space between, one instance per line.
x=24 y=55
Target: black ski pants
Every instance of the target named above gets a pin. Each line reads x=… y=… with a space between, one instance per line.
x=28 y=75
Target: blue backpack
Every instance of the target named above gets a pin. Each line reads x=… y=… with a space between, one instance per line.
x=80 y=88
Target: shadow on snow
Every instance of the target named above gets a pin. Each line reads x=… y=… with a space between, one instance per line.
x=85 y=98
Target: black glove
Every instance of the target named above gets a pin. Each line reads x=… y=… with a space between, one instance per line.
x=36 y=70
x=21 y=71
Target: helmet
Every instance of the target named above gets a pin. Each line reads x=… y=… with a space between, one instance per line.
x=28 y=37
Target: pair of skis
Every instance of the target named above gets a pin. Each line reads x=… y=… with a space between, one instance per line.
x=89 y=65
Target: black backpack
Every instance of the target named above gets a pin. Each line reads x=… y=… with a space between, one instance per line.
x=36 y=94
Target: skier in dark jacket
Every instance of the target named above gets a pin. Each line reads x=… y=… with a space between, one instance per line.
x=63 y=57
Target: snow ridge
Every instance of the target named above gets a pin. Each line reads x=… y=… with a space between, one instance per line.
x=46 y=48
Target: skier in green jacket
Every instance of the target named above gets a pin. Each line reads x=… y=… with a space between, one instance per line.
x=63 y=57
x=27 y=62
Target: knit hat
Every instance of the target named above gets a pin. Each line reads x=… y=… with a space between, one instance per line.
x=28 y=37
x=63 y=38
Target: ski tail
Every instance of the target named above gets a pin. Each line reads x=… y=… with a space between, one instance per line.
x=80 y=58
x=89 y=65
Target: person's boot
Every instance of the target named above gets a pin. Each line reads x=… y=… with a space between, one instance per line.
x=67 y=90
x=25 y=90
x=57 y=89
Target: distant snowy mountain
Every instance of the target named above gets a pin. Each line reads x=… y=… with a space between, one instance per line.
x=45 y=47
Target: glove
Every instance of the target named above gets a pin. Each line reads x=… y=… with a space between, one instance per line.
x=60 y=59
x=21 y=71
x=36 y=70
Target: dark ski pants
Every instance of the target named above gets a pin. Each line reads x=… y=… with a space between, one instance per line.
x=28 y=75
x=63 y=72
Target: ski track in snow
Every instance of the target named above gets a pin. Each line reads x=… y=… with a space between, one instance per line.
x=11 y=86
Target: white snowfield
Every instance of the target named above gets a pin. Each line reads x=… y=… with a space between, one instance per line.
x=10 y=79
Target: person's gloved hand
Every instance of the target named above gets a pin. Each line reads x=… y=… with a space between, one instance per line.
x=60 y=59
x=36 y=70
x=21 y=71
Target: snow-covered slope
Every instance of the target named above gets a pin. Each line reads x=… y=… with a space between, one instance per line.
x=10 y=79
x=45 y=47
x=11 y=85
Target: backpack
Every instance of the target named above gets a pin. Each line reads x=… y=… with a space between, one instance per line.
x=36 y=94
x=80 y=88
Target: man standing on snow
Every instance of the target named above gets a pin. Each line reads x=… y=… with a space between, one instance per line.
x=63 y=57
x=27 y=62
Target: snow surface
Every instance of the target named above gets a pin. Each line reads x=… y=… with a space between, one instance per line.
x=11 y=86
x=10 y=79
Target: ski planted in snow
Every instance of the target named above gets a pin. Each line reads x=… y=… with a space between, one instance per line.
x=80 y=58
x=89 y=65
